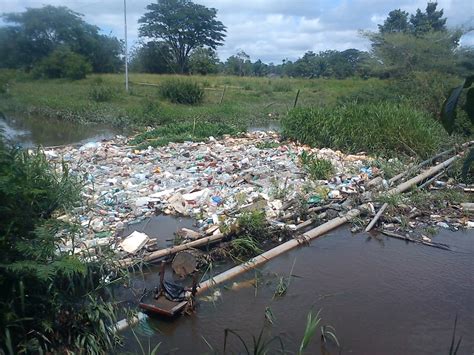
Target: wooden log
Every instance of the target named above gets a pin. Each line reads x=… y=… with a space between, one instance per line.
x=409 y=239
x=175 y=249
x=184 y=263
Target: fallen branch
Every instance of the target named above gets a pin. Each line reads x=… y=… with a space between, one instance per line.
x=408 y=184
x=409 y=239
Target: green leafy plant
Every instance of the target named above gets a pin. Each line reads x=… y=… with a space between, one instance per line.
x=312 y=323
x=449 y=114
x=181 y=91
x=52 y=301
x=244 y=246
x=453 y=350
x=318 y=169
x=101 y=93
x=63 y=63
x=259 y=345
x=180 y=132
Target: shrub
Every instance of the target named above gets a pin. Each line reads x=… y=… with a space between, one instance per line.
x=318 y=169
x=383 y=128
x=6 y=77
x=62 y=63
x=182 y=91
x=51 y=301
x=150 y=112
x=101 y=93
x=280 y=85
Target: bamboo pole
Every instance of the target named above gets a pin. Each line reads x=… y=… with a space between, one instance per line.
x=173 y=250
x=408 y=184
x=377 y=216
x=428 y=161
x=282 y=248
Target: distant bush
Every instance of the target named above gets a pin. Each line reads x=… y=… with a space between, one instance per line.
x=6 y=77
x=62 y=63
x=383 y=128
x=180 y=91
x=101 y=93
x=149 y=113
x=280 y=85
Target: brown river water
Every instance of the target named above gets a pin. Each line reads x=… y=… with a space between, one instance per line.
x=382 y=295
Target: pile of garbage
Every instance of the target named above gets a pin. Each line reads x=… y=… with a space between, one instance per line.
x=211 y=181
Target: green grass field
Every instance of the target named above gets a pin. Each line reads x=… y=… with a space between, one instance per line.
x=247 y=101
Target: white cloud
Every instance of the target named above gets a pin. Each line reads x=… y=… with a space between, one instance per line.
x=271 y=29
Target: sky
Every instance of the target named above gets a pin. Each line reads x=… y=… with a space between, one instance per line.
x=270 y=30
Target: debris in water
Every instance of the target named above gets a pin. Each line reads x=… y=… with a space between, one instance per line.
x=134 y=242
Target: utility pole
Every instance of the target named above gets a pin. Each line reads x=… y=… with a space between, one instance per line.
x=126 y=46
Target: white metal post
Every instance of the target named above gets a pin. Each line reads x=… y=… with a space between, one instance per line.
x=126 y=45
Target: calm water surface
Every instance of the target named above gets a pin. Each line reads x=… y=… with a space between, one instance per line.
x=29 y=131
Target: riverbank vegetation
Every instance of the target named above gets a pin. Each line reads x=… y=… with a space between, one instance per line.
x=229 y=99
x=51 y=300
x=385 y=102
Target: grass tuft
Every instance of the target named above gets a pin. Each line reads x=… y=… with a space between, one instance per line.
x=318 y=169
x=181 y=132
x=182 y=91
x=381 y=128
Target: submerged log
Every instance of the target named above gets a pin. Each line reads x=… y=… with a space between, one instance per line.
x=185 y=262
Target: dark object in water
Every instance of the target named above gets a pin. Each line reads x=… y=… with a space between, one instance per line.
x=169 y=300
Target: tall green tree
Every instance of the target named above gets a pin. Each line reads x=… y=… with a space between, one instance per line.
x=430 y=20
x=397 y=21
x=35 y=33
x=239 y=64
x=399 y=54
x=259 y=68
x=203 y=61
x=152 y=57
x=184 y=26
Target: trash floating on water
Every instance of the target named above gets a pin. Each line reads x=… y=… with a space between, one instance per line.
x=134 y=242
x=209 y=181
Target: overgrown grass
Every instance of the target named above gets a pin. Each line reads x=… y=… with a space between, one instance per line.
x=181 y=132
x=101 y=93
x=247 y=101
x=252 y=232
x=318 y=169
x=383 y=128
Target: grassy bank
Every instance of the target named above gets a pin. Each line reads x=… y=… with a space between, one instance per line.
x=247 y=101
x=376 y=128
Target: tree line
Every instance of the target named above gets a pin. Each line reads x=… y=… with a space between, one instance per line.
x=179 y=36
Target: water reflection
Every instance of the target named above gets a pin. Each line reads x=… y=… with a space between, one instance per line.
x=29 y=131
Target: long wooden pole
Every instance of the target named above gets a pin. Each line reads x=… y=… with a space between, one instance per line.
x=176 y=249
